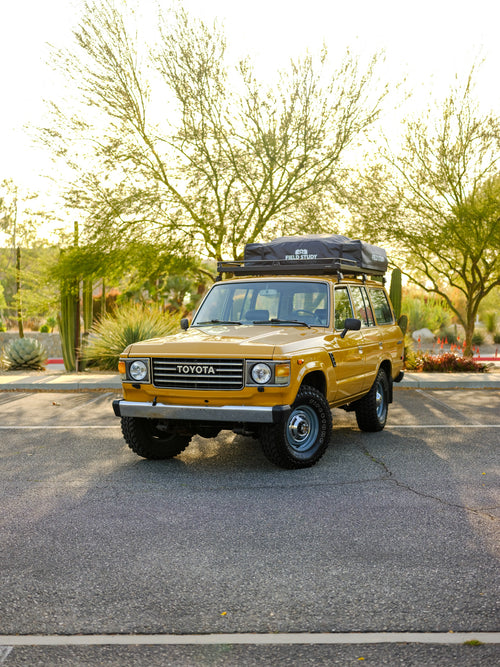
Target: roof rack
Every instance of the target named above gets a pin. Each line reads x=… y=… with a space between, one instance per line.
x=287 y=267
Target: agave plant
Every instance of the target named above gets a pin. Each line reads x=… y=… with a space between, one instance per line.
x=129 y=324
x=25 y=353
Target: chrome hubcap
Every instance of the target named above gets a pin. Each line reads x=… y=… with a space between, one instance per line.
x=302 y=428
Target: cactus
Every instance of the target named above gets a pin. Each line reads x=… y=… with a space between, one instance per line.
x=25 y=353
x=396 y=292
x=66 y=321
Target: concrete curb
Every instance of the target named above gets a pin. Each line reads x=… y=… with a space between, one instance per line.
x=79 y=382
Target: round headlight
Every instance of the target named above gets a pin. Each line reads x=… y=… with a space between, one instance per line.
x=138 y=370
x=261 y=373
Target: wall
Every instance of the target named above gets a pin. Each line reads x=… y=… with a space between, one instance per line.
x=50 y=341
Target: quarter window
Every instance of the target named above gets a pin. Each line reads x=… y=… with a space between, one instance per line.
x=381 y=307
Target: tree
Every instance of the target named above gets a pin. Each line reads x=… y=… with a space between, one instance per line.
x=436 y=203
x=17 y=223
x=184 y=147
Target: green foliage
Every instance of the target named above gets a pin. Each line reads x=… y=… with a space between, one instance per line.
x=426 y=312
x=477 y=338
x=396 y=292
x=450 y=334
x=491 y=322
x=2 y=327
x=496 y=338
x=45 y=328
x=129 y=324
x=25 y=353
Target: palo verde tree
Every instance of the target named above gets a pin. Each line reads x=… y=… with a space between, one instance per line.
x=436 y=203
x=171 y=142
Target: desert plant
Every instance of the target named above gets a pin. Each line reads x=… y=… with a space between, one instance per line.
x=395 y=292
x=2 y=327
x=491 y=322
x=477 y=338
x=426 y=312
x=45 y=328
x=496 y=338
x=128 y=324
x=25 y=353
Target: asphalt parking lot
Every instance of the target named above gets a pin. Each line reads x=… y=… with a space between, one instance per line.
x=391 y=532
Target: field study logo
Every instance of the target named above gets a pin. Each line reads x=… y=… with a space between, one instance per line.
x=301 y=253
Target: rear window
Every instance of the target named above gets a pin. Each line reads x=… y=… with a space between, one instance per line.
x=381 y=308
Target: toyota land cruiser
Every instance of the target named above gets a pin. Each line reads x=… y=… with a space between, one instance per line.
x=303 y=325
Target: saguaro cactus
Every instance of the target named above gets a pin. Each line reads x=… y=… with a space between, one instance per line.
x=67 y=322
x=396 y=292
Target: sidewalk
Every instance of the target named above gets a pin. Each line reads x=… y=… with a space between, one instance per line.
x=57 y=380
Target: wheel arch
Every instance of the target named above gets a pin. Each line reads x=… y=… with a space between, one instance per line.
x=386 y=366
x=315 y=378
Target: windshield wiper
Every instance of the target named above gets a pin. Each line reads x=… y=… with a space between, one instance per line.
x=199 y=324
x=276 y=321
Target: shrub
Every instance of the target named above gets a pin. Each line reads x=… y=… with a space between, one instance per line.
x=426 y=312
x=477 y=338
x=449 y=333
x=496 y=338
x=126 y=325
x=491 y=322
x=2 y=327
x=447 y=363
x=45 y=328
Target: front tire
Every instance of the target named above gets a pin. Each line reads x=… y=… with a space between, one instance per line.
x=371 y=410
x=145 y=439
x=300 y=440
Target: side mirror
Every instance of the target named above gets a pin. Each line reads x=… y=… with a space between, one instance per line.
x=351 y=324
x=185 y=323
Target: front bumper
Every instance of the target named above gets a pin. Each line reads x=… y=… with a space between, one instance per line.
x=231 y=414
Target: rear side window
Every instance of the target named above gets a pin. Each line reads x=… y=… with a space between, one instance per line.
x=381 y=306
x=343 y=307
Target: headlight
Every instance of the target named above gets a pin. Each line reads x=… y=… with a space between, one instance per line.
x=138 y=370
x=261 y=373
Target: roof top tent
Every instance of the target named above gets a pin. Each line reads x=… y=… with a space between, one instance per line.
x=317 y=254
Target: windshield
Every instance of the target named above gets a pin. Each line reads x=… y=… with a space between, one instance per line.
x=277 y=302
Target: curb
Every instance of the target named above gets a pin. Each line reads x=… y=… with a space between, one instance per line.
x=80 y=382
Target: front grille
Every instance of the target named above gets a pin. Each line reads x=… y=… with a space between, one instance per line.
x=198 y=373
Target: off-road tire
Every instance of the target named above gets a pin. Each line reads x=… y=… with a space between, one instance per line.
x=300 y=440
x=371 y=410
x=143 y=438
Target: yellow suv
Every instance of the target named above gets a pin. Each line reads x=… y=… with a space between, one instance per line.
x=303 y=325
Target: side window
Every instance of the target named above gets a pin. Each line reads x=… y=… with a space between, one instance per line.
x=362 y=306
x=343 y=307
x=381 y=306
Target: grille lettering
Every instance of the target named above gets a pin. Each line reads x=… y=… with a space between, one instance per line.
x=198 y=370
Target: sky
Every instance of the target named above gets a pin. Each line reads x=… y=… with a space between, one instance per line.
x=428 y=41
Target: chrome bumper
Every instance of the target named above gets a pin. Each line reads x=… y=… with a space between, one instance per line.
x=240 y=414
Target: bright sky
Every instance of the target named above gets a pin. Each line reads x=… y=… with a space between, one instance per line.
x=430 y=40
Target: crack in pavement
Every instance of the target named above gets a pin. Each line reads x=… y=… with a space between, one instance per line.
x=482 y=511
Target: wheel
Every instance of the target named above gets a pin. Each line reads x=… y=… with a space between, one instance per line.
x=300 y=440
x=371 y=410
x=145 y=438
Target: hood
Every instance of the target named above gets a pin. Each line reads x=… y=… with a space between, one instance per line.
x=228 y=341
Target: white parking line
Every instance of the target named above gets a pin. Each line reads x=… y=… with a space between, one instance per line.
x=255 y=639
x=60 y=428
x=88 y=426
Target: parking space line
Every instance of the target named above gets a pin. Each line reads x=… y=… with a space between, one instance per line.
x=255 y=639
x=47 y=427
